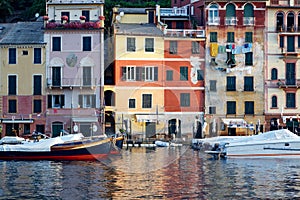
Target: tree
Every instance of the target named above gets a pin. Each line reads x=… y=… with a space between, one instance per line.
x=6 y=9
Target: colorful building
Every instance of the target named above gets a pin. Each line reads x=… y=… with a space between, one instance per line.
x=281 y=72
x=22 y=77
x=74 y=33
x=234 y=79
x=158 y=75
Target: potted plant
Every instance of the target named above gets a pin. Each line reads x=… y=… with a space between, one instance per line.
x=46 y=18
x=64 y=18
x=82 y=18
x=101 y=17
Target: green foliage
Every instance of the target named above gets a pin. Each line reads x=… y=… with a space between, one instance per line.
x=38 y=6
x=6 y=9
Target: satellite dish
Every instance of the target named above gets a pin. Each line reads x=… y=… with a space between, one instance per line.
x=37 y=15
x=118 y=17
x=121 y=14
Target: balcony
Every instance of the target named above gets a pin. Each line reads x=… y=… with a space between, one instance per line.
x=185 y=33
x=248 y=21
x=288 y=83
x=74 y=2
x=71 y=82
x=230 y=21
x=213 y=21
x=173 y=12
x=280 y=2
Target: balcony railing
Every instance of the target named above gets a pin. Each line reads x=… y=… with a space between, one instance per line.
x=173 y=12
x=72 y=82
x=185 y=33
x=230 y=21
x=248 y=21
x=213 y=21
x=280 y=2
x=74 y=1
x=73 y=25
x=288 y=83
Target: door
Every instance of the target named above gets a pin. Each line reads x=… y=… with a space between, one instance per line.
x=12 y=129
x=290 y=44
x=56 y=76
x=150 y=129
x=57 y=127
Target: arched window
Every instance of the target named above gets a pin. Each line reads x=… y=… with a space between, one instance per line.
x=213 y=14
x=274 y=102
x=248 y=10
x=230 y=10
x=279 y=22
x=290 y=22
x=274 y=75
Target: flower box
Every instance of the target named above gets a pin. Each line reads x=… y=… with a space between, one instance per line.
x=101 y=17
x=46 y=18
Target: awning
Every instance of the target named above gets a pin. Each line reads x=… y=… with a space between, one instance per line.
x=234 y=122
x=17 y=121
x=85 y=119
x=148 y=118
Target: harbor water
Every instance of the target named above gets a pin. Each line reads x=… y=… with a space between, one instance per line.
x=152 y=173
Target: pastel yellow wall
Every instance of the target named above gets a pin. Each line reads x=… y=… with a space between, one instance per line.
x=121 y=48
x=134 y=18
x=24 y=70
x=136 y=93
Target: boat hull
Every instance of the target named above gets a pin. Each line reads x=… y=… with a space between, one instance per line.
x=80 y=150
x=278 y=149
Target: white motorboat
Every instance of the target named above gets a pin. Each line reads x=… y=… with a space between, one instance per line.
x=278 y=143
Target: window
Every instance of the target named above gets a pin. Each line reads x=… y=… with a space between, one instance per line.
x=87 y=101
x=249 y=37
x=290 y=22
x=169 y=75
x=274 y=102
x=149 y=45
x=12 y=85
x=37 y=106
x=173 y=47
x=183 y=73
x=274 y=75
x=25 y=53
x=290 y=100
x=185 y=99
x=290 y=74
x=230 y=10
x=213 y=85
x=147 y=101
x=249 y=58
x=290 y=43
x=37 y=56
x=12 y=106
x=128 y=73
x=56 y=101
x=200 y=75
x=279 y=21
x=56 y=44
x=12 y=56
x=151 y=73
x=86 y=43
x=231 y=107
x=248 y=10
x=56 y=76
x=249 y=107
x=86 y=13
x=212 y=110
x=195 y=47
x=131 y=103
x=281 y=41
x=231 y=83
x=248 y=83
x=131 y=44
x=37 y=85
x=230 y=37
x=298 y=41
x=213 y=36
x=87 y=76
x=65 y=14
x=213 y=15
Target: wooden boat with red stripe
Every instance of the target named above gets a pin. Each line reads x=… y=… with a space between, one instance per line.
x=92 y=148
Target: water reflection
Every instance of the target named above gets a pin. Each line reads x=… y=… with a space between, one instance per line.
x=162 y=173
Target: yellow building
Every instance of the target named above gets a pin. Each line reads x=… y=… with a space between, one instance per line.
x=22 y=56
